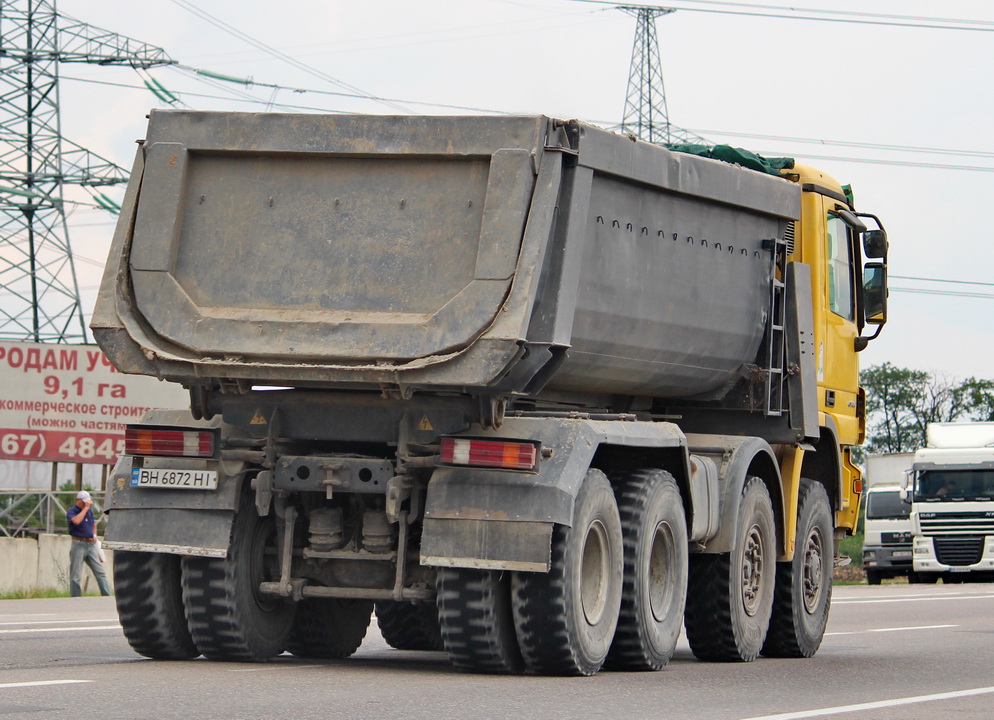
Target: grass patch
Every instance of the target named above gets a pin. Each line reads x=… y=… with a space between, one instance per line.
x=33 y=594
x=851 y=574
x=852 y=545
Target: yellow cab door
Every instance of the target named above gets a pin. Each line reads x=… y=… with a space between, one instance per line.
x=834 y=287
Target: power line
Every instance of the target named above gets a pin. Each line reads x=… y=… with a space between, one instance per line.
x=937 y=280
x=857 y=18
x=225 y=27
x=844 y=143
x=881 y=161
x=245 y=97
x=944 y=293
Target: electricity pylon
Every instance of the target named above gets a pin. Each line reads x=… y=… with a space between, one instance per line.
x=646 y=116
x=39 y=295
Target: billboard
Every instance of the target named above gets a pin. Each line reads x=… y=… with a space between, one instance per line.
x=67 y=403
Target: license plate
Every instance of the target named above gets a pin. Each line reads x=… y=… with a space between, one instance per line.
x=177 y=479
x=902 y=553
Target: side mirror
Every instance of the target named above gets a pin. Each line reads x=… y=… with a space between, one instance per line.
x=875 y=243
x=875 y=293
x=850 y=219
x=905 y=495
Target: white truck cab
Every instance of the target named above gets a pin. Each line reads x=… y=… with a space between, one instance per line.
x=953 y=502
x=887 y=538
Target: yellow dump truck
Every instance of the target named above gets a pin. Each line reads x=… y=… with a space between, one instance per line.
x=538 y=393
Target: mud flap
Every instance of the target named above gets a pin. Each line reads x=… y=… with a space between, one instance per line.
x=170 y=530
x=487 y=544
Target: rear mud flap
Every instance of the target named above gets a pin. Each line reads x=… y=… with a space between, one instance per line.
x=170 y=530
x=487 y=544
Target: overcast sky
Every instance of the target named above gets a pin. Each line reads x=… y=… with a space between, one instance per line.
x=750 y=81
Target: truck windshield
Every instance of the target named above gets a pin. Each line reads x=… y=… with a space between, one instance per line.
x=954 y=485
x=886 y=505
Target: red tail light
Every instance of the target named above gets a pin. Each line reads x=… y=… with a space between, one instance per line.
x=489 y=453
x=143 y=440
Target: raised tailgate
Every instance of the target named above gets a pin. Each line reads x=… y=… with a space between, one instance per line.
x=324 y=238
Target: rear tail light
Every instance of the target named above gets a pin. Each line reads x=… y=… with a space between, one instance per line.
x=489 y=453
x=144 y=440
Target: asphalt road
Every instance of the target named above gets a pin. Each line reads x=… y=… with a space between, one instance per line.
x=892 y=651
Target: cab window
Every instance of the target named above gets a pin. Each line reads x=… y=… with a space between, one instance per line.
x=840 y=285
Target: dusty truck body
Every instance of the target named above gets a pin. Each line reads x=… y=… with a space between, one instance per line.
x=540 y=392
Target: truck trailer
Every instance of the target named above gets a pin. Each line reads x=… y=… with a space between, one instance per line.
x=538 y=393
x=952 y=503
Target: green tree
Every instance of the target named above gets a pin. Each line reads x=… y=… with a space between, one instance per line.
x=900 y=403
x=979 y=394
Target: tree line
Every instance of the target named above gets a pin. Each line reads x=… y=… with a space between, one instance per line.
x=901 y=402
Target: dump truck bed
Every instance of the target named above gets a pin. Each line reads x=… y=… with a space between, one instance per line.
x=501 y=254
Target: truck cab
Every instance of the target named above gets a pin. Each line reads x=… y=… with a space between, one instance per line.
x=953 y=502
x=887 y=539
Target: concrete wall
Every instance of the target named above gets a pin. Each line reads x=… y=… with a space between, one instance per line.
x=43 y=563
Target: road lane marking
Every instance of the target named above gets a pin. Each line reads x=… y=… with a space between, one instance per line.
x=75 y=628
x=60 y=622
x=37 y=683
x=895 y=629
x=932 y=595
x=896 y=702
x=272 y=666
x=33 y=615
x=911 y=598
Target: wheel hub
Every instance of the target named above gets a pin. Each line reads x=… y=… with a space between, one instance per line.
x=813 y=569
x=662 y=561
x=752 y=571
x=595 y=573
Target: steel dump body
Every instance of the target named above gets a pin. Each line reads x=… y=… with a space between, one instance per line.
x=483 y=255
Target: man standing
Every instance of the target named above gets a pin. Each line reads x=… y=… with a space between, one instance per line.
x=83 y=529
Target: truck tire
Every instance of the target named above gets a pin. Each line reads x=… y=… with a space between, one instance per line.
x=921 y=578
x=803 y=592
x=409 y=625
x=228 y=617
x=873 y=577
x=730 y=595
x=474 y=613
x=566 y=618
x=149 y=597
x=329 y=627
x=654 y=583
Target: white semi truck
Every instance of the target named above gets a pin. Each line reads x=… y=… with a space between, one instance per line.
x=887 y=528
x=952 y=502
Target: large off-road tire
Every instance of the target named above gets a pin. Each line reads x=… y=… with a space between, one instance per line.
x=730 y=595
x=409 y=625
x=654 y=583
x=803 y=592
x=149 y=598
x=474 y=613
x=228 y=617
x=329 y=627
x=566 y=618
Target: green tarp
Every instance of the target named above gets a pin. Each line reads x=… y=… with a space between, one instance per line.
x=737 y=156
